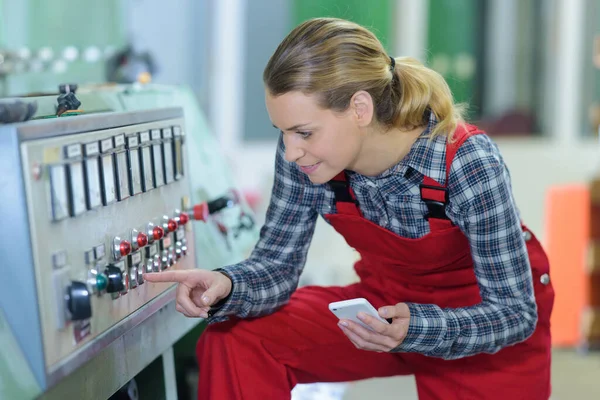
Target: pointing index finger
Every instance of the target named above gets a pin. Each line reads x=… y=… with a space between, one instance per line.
x=169 y=276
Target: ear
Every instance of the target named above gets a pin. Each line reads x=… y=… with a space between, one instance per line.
x=362 y=108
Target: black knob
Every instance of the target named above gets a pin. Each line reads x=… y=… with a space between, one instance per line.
x=115 y=279
x=79 y=301
x=219 y=204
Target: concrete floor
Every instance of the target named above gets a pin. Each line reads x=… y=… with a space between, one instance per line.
x=574 y=377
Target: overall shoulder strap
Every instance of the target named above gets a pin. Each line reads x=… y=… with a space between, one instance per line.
x=433 y=193
x=345 y=199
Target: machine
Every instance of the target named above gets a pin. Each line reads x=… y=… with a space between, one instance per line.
x=92 y=200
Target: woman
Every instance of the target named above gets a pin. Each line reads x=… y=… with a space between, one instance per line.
x=377 y=147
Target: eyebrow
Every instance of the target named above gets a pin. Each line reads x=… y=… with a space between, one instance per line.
x=292 y=128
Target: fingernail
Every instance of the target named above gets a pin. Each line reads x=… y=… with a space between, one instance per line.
x=344 y=323
x=205 y=299
x=383 y=312
x=361 y=316
x=203 y=315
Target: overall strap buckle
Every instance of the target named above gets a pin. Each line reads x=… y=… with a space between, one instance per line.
x=345 y=200
x=341 y=191
x=435 y=198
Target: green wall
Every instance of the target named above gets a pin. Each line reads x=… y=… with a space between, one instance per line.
x=377 y=15
x=453 y=33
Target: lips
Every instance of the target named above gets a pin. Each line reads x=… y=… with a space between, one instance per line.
x=308 y=169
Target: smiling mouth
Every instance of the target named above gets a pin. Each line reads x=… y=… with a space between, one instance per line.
x=309 y=168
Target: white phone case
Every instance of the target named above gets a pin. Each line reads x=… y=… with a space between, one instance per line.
x=349 y=309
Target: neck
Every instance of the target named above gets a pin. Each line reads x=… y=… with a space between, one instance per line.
x=383 y=149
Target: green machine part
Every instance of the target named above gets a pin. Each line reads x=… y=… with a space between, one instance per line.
x=55 y=26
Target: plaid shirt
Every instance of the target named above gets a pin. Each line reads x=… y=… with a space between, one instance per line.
x=481 y=204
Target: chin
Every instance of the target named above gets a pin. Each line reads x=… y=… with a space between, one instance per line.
x=317 y=180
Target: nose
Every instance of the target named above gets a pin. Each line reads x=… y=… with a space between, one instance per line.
x=293 y=151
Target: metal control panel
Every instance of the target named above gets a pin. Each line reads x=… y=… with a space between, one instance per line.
x=91 y=203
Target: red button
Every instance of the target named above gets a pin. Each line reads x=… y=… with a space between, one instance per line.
x=125 y=248
x=158 y=233
x=183 y=218
x=142 y=239
x=172 y=225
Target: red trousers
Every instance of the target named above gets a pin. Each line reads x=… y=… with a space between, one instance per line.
x=263 y=358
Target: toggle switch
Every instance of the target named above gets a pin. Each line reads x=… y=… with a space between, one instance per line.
x=133 y=277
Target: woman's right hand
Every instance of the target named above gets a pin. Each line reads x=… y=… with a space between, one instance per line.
x=197 y=289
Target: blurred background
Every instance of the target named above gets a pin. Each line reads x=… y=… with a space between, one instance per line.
x=529 y=70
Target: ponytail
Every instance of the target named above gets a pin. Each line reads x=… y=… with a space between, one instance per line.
x=420 y=90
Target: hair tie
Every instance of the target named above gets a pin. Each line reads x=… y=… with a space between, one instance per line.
x=392 y=64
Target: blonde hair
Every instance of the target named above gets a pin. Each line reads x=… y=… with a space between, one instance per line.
x=335 y=58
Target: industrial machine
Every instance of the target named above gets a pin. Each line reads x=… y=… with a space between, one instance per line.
x=92 y=201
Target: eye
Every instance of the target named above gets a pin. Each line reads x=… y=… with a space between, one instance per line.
x=304 y=135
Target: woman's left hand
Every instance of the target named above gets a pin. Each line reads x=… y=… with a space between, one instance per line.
x=383 y=337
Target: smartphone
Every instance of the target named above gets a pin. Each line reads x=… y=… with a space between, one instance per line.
x=349 y=309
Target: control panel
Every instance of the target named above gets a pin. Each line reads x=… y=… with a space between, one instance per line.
x=94 y=202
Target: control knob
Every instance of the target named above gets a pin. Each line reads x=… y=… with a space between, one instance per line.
x=115 y=279
x=78 y=301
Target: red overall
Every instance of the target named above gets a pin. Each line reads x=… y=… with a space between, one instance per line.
x=263 y=358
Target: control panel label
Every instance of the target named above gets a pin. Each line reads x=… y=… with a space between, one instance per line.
x=144 y=137
x=91 y=149
x=99 y=251
x=81 y=329
x=166 y=242
x=73 y=150
x=167 y=133
x=136 y=258
x=132 y=141
x=120 y=140
x=106 y=144
x=152 y=250
x=155 y=134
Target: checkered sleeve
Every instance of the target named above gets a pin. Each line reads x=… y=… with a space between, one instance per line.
x=266 y=280
x=483 y=207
